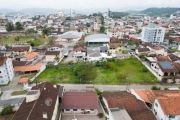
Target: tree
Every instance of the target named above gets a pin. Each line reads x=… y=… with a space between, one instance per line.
x=46 y=31
x=9 y=26
x=85 y=71
x=68 y=18
x=155 y=88
x=57 y=58
x=17 y=38
x=102 y=20
x=88 y=24
x=8 y=109
x=19 y=26
x=102 y=29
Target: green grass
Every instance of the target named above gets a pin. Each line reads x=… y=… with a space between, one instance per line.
x=118 y=72
x=23 y=39
x=175 y=50
x=1 y=94
x=19 y=93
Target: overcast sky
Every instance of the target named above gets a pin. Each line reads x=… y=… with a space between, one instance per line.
x=88 y=4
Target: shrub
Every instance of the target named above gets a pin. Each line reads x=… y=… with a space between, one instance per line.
x=155 y=88
x=8 y=109
x=100 y=115
x=166 y=88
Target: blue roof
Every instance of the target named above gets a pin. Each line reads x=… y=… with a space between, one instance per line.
x=166 y=65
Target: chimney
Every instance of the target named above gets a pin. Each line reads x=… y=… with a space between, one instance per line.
x=45 y=115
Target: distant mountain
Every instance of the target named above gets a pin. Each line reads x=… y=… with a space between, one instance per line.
x=132 y=11
x=119 y=14
x=5 y=11
x=39 y=11
x=160 y=11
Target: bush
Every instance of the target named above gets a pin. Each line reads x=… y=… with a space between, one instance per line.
x=8 y=109
x=100 y=115
x=155 y=88
x=166 y=88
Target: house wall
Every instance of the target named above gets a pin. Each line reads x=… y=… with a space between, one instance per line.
x=24 y=52
x=113 y=51
x=55 y=49
x=6 y=72
x=154 y=67
x=80 y=111
x=79 y=53
x=51 y=57
x=107 y=106
x=94 y=58
x=160 y=115
x=55 y=109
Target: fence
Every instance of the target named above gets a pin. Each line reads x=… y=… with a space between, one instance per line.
x=42 y=69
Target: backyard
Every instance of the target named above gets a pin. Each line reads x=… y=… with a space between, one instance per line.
x=118 y=72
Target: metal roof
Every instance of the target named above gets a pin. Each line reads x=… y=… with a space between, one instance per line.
x=97 y=38
x=12 y=101
x=166 y=65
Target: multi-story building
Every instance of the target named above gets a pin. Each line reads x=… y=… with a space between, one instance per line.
x=153 y=34
x=6 y=70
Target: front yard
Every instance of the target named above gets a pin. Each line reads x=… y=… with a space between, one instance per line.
x=119 y=72
x=19 y=93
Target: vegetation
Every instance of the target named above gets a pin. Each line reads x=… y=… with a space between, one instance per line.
x=155 y=88
x=143 y=56
x=9 y=26
x=19 y=26
x=119 y=14
x=19 y=93
x=8 y=109
x=166 y=88
x=125 y=51
x=100 y=115
x=113 y=71
x=88 y=24
x=46 y=31
x=160 y=11
x=102 y=29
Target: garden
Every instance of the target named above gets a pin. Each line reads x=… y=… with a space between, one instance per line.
x=112 y=71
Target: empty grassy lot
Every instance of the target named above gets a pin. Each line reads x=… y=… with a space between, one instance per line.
x=118 y=73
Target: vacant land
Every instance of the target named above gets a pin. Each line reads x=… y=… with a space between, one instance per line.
x=18 y=93
x=35 y=40
x=118 y=72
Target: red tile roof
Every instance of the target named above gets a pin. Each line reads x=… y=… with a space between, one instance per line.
x=114 y=45
x=23 y=80
x=135 y=108
x=21 y=49
x=79 y=100
x=27 y=68
x=31 y=55
x=80 y=48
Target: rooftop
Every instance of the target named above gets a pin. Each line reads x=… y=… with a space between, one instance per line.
x=27 y=68
x=97 y=38
x=23 y=80
x=2 y=60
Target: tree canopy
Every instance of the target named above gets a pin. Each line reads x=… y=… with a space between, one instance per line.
x=19 y=26
x=102 y=29
x=9 y=26
x=85 y=71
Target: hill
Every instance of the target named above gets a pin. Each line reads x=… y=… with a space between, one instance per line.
x=119 y=14
x=39 y=11
x=4 y=11
x=160 y=11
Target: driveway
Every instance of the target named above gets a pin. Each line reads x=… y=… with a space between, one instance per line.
x=69 y=57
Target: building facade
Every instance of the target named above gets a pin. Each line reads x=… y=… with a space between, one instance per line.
x=6 y=70
x=153 y=34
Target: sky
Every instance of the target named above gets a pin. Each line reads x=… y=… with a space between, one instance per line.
x=88 y=4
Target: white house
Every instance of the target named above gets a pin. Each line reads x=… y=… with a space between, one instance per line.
x=55 y=48
x=119 y=33
x=79 y=51
x=3 y=29
x=6 y=70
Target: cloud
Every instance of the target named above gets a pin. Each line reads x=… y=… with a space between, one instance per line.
x=87 y=4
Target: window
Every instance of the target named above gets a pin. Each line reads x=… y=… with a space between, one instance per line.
x=92 y=109
x=0 y=71
x=156 y=104
x=1 y=76
x=74 y=109
x=67 y=109
x=82 y=109
x=171 y=116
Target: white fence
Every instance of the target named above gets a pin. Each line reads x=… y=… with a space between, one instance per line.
x=41 y=70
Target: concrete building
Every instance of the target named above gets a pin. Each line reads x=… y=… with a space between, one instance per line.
x=97 y=39
x=153 y=34
x=6 y=70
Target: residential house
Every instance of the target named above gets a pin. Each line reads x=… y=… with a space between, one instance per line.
x=140 y=51
x=80 y=103
x=6 y=70
x=41 y=102
x=51 y=55
x=29 y=57
x=56 y=47
x=79 y=51
x=123 y=105
x=22 y=50
x=18 y=63
x=114 y=47
x=119 y=33
x=162 y=102
x=114 y=40
x=93 y=54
